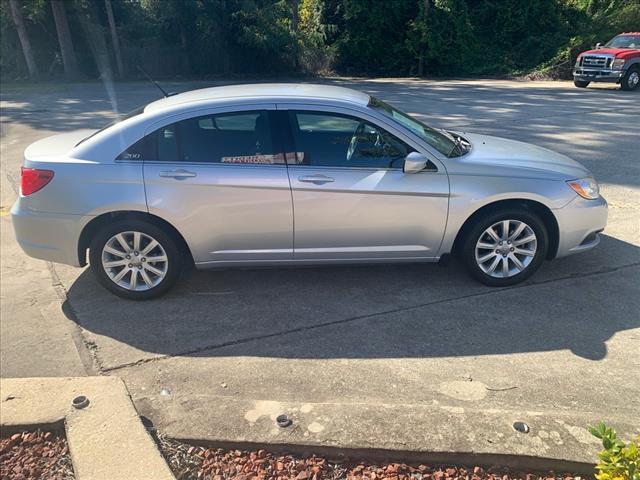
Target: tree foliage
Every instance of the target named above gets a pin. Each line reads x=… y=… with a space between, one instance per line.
x=358 y=37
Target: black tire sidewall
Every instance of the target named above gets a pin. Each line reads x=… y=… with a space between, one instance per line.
x=624 y=84
x=174 y=256
x=581 y=83
x=484 y=222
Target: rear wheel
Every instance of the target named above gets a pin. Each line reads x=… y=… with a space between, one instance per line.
x=631 y=79
x=135 y=260
x=505 y=248
x=581 y=83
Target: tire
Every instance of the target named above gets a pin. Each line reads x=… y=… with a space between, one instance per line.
x=473 y=251
x=581 y=83
x=152 y=278
x=631 y=79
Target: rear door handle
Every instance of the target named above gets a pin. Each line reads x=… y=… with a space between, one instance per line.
x=178 y=174
x=316 y=179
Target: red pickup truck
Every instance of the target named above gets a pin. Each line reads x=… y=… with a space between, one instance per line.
x=618 y=61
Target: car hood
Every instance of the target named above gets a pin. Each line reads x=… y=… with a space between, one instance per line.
x=617 y=52
x=494 y=155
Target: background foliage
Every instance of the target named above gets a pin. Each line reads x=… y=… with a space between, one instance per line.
x=354 y=37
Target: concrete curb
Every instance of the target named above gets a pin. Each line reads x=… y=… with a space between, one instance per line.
x=107 y=440
x=432 y=434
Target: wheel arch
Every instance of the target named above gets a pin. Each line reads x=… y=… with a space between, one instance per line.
x=91 y=228
x=545 y=213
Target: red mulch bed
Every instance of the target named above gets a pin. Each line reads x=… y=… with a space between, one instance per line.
x=35 y=456
x=190 y=462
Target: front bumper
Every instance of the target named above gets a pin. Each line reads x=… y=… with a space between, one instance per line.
x=597 y=75
x=580 y=223
x=48 y=236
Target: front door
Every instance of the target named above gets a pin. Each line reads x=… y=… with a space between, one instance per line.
x=351 y=197
x=221 y=180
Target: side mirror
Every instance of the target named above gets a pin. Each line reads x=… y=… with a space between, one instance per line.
x=415 y=162
x=598 y=46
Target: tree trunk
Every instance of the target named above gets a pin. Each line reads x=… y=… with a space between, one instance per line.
x=16 y=13
x=226 y=59
x=64 y=38
x=424 y=11
x=295 y=13
x=114 y=38
x=186 y=62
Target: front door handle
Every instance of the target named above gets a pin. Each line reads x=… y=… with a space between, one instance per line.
x=316 y=179
x=178 y=174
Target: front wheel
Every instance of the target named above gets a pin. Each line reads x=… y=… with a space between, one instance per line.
x=631 y=79
x=505 y=248
x=135 y=260
x=581 y=83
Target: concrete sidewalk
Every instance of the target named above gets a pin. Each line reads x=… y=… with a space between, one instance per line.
x=106 y=438
x=36 y=337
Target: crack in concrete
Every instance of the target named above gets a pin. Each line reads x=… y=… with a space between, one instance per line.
x=356 y=318
x=13 y=182
x=87 y=350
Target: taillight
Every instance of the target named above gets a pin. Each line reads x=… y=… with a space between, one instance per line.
x=34 y=179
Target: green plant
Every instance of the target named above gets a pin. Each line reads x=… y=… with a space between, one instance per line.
x=618 y=461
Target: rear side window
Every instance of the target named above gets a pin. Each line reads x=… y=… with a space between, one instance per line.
x=229 y=138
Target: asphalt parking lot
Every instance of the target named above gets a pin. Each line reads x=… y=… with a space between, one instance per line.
x=409 y=357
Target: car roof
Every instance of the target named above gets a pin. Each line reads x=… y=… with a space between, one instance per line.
x=262 y=91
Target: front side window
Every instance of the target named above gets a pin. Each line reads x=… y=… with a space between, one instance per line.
x=336 y=140
x=228 y=138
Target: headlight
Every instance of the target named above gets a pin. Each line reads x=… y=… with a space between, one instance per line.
x=585 y=187
x=617 y=63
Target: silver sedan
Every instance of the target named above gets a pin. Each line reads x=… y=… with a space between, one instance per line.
x=293 y=174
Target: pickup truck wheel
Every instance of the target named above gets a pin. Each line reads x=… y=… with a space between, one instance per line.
x=631 y=79
x=581 y=83
x=505 y=247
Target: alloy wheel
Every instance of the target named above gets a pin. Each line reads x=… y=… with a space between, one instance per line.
x=134 y=261
x=506 y=248
x=634 y=79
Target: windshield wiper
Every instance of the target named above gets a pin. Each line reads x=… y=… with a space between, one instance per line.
x=447 y=134
x=458 y=144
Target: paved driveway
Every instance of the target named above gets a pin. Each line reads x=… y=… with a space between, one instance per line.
x=400 y=357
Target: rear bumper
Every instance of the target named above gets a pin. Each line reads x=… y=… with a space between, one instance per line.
x=580 y=223
x=597 y=75
x=48 y=236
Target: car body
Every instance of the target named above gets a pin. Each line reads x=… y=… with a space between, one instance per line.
x=291 y=174
x=618 y=61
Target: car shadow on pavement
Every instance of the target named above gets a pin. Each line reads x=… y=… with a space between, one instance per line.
x=393 y=311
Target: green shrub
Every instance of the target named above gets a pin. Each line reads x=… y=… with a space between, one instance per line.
x=618 y=461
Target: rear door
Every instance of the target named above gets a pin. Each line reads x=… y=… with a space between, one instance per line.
x=220 y=178
x=351 y=197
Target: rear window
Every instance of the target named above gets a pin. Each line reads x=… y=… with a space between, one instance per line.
x=120 y=118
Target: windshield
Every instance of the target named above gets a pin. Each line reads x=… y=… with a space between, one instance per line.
x=118 y=119
x=624 y=41
x=441 y=140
